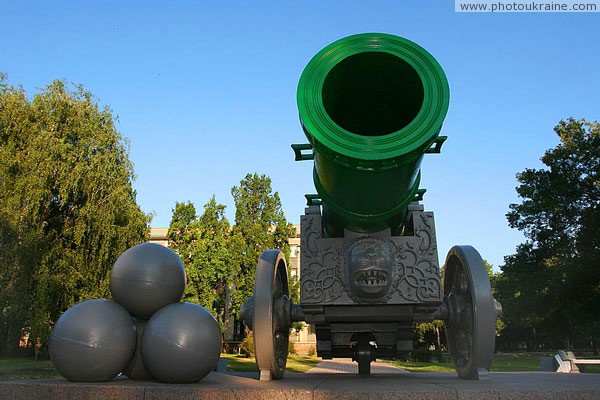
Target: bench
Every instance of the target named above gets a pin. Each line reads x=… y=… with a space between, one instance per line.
x=568 y=363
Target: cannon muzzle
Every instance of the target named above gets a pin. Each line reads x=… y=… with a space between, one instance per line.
x=371 y=105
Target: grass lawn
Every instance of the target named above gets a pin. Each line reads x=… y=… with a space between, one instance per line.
x=417 y=366
x=294 y=363
x=503 y=362
x=25 y=368
x=517 y=362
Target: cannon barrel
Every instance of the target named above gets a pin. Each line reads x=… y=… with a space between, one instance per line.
x=371 y=105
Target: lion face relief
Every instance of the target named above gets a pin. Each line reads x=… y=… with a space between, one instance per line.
x=370 y=264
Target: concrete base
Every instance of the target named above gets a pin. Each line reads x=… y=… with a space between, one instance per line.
x=517 y=385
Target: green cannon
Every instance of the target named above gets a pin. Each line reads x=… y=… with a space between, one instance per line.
x=372 y=106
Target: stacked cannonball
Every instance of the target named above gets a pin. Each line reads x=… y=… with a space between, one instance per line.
x=145 y=332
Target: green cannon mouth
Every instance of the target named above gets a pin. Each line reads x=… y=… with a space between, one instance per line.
x=372 y=93
x=372 y=97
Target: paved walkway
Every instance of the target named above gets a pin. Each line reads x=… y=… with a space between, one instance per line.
x=347 y=366
x=245 y=385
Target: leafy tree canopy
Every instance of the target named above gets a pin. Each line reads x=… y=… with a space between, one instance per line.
x=260 y=224
x=221 y=259
x=67 y=206
x=206 y=247
x=552 y=283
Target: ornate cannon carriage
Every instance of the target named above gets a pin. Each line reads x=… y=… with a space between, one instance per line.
x=372 y=106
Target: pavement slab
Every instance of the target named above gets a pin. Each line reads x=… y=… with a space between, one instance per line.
x=347 y=366
x=320 y=386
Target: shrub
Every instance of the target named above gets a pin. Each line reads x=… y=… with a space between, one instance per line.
x=421 y=354
x=247 y=345
x=439 y=356
x=312 y=351
x=291 y=349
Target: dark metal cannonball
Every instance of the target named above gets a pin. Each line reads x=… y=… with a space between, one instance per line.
x=136 y=370
x=147 y=277
x=92 y=341
x=181 y=343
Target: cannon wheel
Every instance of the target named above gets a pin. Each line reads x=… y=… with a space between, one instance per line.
x=471 y=323
x=271 y=315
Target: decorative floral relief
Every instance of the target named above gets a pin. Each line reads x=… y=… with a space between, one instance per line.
x=319 y=283
x=370 y=270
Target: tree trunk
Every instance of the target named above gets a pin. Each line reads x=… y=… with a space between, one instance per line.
x=12 y=341
x=228 y=319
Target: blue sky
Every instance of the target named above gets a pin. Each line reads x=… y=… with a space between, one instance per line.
x=206 y=92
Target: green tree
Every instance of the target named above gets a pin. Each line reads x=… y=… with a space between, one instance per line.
x=260 y=224
x=551 y=286
x=205 y=245
x=67 y=206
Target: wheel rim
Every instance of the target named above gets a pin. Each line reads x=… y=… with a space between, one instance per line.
x=271 y=315
x=471 y=323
